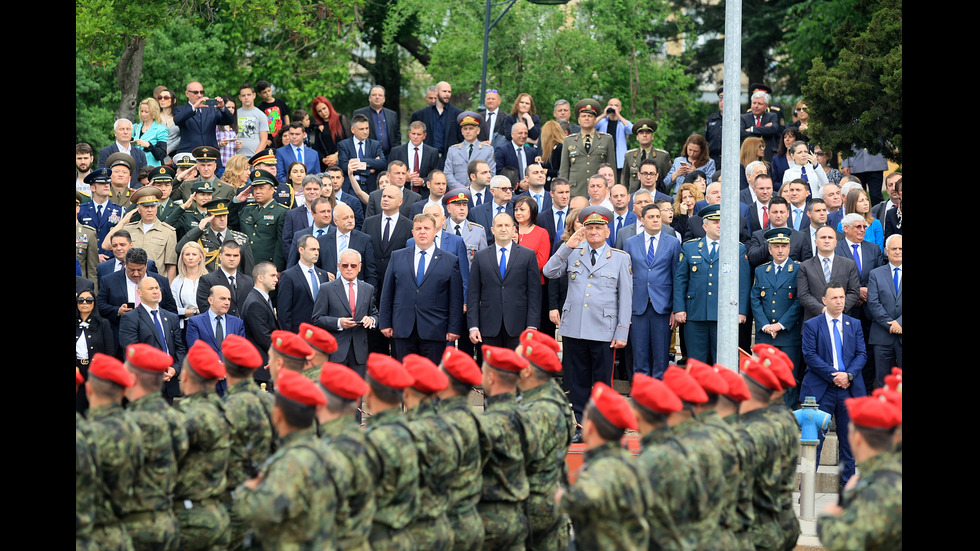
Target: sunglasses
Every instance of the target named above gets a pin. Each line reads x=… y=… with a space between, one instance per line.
x=504 y=188
x=195 y=91
x=492 y=91
x=85 y=300
x=345 y=265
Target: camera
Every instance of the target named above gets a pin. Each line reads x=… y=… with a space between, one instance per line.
x=610 y=110
x=211 y=102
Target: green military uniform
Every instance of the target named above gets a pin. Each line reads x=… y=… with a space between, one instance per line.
x=356 y=504
x=248 y=413
x=119 y=458
x=579 y=162
x=394 y=461
x=629 y=176
x=466 y=486
x=440 y=450
x=505 y=485
x=761 y=440
x=703 y=451
x=262 y=224
x=86 y=486
x=87 y=251
x=550 y=427
x=788 y=437
x=732 y=451
x=222 y=191
x=202 y=476
x=120 y=196
x=872 y=516
x=608 y=501
x=164 y=445
x=677 y=488
x=294 y=504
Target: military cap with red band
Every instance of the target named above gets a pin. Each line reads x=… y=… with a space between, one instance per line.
x=457 y=195
x=654 y=394
x=873 y=413
x=318 y=337
x=462 y=367
x=469 y=118
x=594 y=215
x=290 y=345
x=613 y=406
x=343 y=381
x=205 y=361
x=504 y=359
x=298 y=388
x=239 y=351
x=148 y=358
x=388 y=371
x=110 y=369
x=707 y=377
x=684 y=386
x=588 y=105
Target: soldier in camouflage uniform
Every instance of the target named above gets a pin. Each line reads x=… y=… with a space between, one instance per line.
x=248 y=412
x=288 y=352
x=291 y=504
x=467 y=485
x=391 y=456
x=340 y=432
x=608 y=502
x=870 y=514
x=727 y=408
x=164 y=445
x=672 y=475
x=116 y=446
x=323 y=344
x=505 y=485
x=86 y=480
x=550 y=427
x=202 y=475
x=439 y=449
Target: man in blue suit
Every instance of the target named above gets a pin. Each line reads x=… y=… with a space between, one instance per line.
x=119 y=289
x=885 y=307
x=362 y=149
x=100 y=213
x=448 y=242
x=833 y=347
x=197 y=120
x=422 y=298
x=214 y=325
x=300 y=284
x=293 y=150
x=654 y=256
x=502 y=191
x=622 y=214
x=151 y=323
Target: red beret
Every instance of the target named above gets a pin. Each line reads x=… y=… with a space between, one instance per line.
x=298 y=388
x=894 y=380
x=541 y=355
x=148 y=358
x=780 y=364
x=613 y=406
x=205 y=361
x=78 y=378
x=428 y=378
x=892 y=397
x=707 y=377
x=768 y=351
x=503 y=358
x=241 y=352
x=388 y=371
x=737 y=390
x=462 y=367
x=873 y=413
x=534 y=335
x=684 y=386
x=318 y=338
x=342 y=381
x=290 y=345
x=110 y=369
x=654 y=394
x=753 y=369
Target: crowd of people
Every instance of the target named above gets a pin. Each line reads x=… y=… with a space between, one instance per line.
x=204 y=225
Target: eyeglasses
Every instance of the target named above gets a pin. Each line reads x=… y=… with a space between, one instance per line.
x=195 y=91
x=504 y=188
x=85 y=300
x=492 y=91
x=345 y=265
x=648 y=174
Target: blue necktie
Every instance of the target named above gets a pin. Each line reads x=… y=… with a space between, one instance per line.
x=895 y=279
x=503 y=262
x=163 y=338
x=714 y=249
x=315 y=281
x=838 y=346
x=537 y=197
x=479 y=199
x=560 y=229
x=653 y=240
x=421 y=272
x=857 y=258
x=797 y=218
x=619 y=226
x=360 y=151
x=779 y=270
x=319 y=233
x=219 y=331
x=299 y=153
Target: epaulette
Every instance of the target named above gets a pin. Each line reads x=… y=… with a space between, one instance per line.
x=767 y=266
x=692 y=239
x=475 y=224
x=166 y=225
x=598 y=134
x=614 y=249
x=459 y=146
x=87 y=227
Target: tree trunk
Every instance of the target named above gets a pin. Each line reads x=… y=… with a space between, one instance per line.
x=128 y=77
x=387 y=72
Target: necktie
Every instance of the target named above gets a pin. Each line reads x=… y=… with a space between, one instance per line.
x=503 y=262
x=714 y=250
x=650 y=251
x=220 y=240
x=387 y=233
x=838 y=346
x=588 y=143
x=619 y=226
x=803 y=175
x=319 y=233
x=315 y=282
x=231 y=281
x=857 y=257
x=299 y=154
x=560 y=226
x=421 y=271
x=415 y=167
x=593 y=257
x=765 y=216
x=643 y=155
x=521 y=164
x=896 y=279
x=779 y=270
x=758 y=121
x=826 y=269
x=160 y=334
x=219 y=331
x=360 y=150
x=470 y=154
x=479 y=198
x=797 y=218
x=98 y=210
x=537 y=198
x=457 y=231
x=351 y=297
x=343 y=244
x=499 y=209
x=490 y=123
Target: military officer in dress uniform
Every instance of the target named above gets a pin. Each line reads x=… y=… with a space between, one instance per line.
x=595 y=318
x=696 y=287
x=157 y=238
x=775 y=304
x=643 y=129
x=195 y=209
x=120 y=178
x=473 y=234
x=168 y=209
x=582 y=153
x=212 y=231
x=87 y=245
x=459 y=156
x=100 y=213
x=207 y=162
x=266 y=160
x=263 y=220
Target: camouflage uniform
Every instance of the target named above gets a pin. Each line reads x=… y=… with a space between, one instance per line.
x=709 y=461
x=677 y=489
x=119 y=457
x=872 y=516
x=737 y=491
x=788 y=435
x=440 y=450
x=248 y=414
x=467 y=485
x=762 y=446
x=355 y=506
x=394 y=462
x=607 y=503
x=164 y=445
x=86 y=486
x=505 y=486
x=202 y=476
x=293 y=506
x=550 y=426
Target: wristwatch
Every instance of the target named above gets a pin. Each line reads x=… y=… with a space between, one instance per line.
x=850 y=377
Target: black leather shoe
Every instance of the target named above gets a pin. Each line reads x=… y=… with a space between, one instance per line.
x=577 y=439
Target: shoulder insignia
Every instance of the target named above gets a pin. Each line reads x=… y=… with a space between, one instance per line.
x=87 y=227
x=614 y=249
x=790 y=268
x=475 y=225
x=609 y=253
x=769 y=264
x=166 y=225
x=460 y=146
x=682 y=256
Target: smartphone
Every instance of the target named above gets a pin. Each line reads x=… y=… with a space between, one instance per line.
x=211 y=102
x=130 y=305
x=362 y=165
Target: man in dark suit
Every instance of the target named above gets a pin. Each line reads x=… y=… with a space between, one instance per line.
x=240 y=284
x=150 y=323
x=301 y=217
x=421 y=303
x=492 y=119
x=516 y=153
x=293 y=150
x=335 y=177
x=504 y=296
x=197 y=121
x=502 y=191
x=322 y=229
x=885 y=306
x=344 y=236
x=813 y=277
x=799 y=191
x=367 y=155
x=300 y=285
x=383 y=122
x=259 y=317
x=440 y=121
x=435 y=189
x=216 y=323
x=759 y=209
x=123 y=130
x=758 y=247
x=549 y=218
x=398 y=174
x=389 y=231
x=762 y=123
x=654 y=256
x=420 y=157
x=753 y=169
x=118 y=289
x=622 y=215
x=349 y=325
x=833 y=347
x=121 y=242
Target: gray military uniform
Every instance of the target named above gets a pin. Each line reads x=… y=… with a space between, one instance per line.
x=458 y=158
x=473 y=234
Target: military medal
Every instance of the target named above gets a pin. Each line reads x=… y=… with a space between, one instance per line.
x=790 y=295
x=694 y=268
x=762 y=294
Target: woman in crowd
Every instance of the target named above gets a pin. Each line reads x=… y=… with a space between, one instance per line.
x=236 y=172
x=150 y=134
x=329 y=128
x=781 y=160
x=552 y=137
x=529 y=233
x=802 y=122
x=167 y=103
x=684 y=202
x=694 y=157
x=857 y=201
x=295 y=175
x=92 y=335
x=525 y=112
x=190 y=268
x=834 y=176
x=753 y=149
x=227 y=134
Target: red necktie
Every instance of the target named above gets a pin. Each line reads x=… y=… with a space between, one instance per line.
x=415 y=169
x=758 y=121
x=765 y=217
x=351 y=287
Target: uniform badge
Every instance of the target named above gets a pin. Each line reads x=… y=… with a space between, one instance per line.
x=284 y=193
x=790 y=296
x=577 y=262
x=790 y=268
x=241 y=240
x=763 y=293
x=269 y=217
x=82 y=238
x=682 y=256
x=608 y=254
x=573 y=275
x=114 y=218
x=694 y=268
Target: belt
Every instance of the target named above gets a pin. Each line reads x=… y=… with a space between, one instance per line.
x=83 y=362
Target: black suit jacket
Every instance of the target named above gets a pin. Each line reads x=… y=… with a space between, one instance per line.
x=771 y=134
x=197 y=129
x=260 y=322
x=451 y=131
x=409 y=198
x=812 y=284
x=505 y=305
x=295 y=300
x=113 y=293
x=758 y=247
x=547 y=221
x=483 y=215
x=400 y=234
x=359 y=241
x=391 y=123
x=406 y=154
x=296 y=220
x=238 y=296
x=137 y=326
x=333 y=303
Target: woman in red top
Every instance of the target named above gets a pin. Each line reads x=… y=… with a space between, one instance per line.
x=529 y=233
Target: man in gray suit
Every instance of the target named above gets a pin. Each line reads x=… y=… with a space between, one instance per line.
x=824 y=267
x=885 y=306
x=349 y=325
